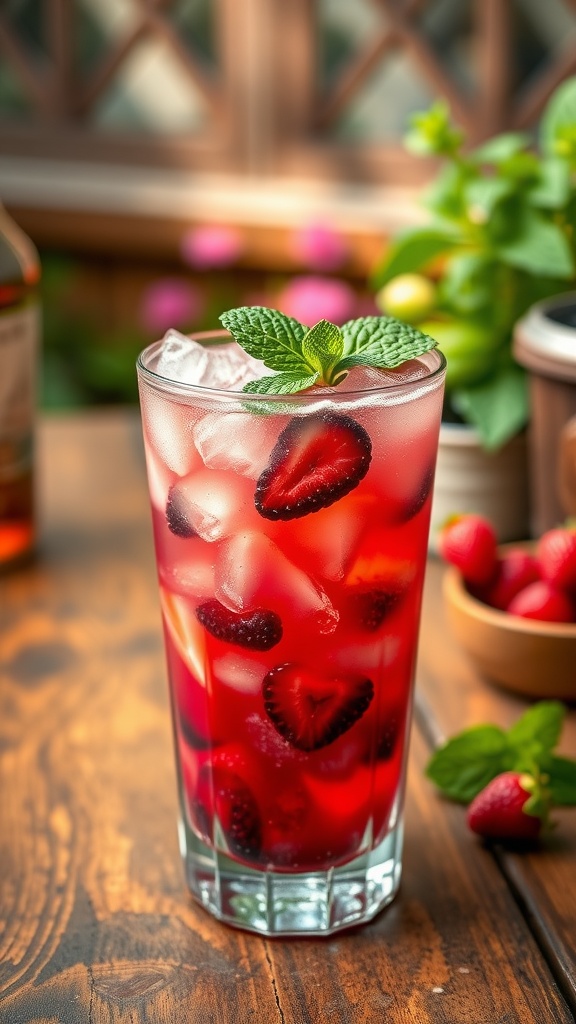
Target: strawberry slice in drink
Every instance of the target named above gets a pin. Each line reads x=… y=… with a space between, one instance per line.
x=315 y=462
x=311 y=710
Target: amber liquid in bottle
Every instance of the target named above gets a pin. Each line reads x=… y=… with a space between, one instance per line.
x=19 y=330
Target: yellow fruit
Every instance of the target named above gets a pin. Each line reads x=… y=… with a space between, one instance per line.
x=409 y=297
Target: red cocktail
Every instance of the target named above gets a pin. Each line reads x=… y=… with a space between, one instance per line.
x=291 y=536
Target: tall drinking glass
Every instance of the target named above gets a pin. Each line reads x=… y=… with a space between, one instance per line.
x=291 y=537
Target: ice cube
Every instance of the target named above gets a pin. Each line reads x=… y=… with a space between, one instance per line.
x=237 y=441
x=192 y=575
x=242 y=674
x=265 y=738
x=224 y=366
x=331 y=536
x=168 y=430
x=252 y=572
x=214 y=503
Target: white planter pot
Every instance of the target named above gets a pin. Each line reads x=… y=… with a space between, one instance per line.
x=468 y=479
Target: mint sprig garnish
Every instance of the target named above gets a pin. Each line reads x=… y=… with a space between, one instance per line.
x=322 y=354
x=467 y=762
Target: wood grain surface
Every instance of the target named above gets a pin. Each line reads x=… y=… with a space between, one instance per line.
x=96 y=926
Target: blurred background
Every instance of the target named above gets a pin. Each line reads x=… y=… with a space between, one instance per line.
x=174 y=158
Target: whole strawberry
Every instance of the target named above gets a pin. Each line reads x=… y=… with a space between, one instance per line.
x=516 y=569
x=500 y=810
x=544 y=602
x=469 y=543
x=556 y=554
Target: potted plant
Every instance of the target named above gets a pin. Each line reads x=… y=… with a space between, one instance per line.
x=502 y=235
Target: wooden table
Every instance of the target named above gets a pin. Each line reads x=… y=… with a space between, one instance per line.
x=95 y=922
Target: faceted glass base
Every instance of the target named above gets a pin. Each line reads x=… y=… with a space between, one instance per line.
x=308 y=903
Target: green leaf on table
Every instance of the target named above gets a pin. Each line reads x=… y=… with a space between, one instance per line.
x=465 y=764
x=561 y=772
x=381 y=341
x=501 y=148
x=552 y=190
x=538 y=246
x=268 y=335
x=538 y=729
x=497 y=407
x=412 y=250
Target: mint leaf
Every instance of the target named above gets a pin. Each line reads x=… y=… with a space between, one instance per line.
x=469 y=761
x=322 y=347
x=381 y=341
x=413 y=250
x=268 y=335
x=561 y=783
x=539 y=728
x=281 y=384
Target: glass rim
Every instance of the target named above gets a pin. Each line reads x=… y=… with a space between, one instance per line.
x=174 y=387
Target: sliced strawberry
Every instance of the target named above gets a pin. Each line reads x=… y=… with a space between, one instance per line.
x=316 y=460
x=223 y=790
x=311 y=710
x=416 y=503
x=372 y=607
x=177 y=512
x=259 y=629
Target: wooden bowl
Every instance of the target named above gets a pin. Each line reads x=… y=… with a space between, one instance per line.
x=536 y=659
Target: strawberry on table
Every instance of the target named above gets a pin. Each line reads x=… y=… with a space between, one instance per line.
x=503 y=809
x=469 y=543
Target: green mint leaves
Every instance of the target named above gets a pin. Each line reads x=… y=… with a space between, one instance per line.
x=465 y=764
x=323 y=354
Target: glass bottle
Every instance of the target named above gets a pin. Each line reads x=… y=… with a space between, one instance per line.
x=19 y=335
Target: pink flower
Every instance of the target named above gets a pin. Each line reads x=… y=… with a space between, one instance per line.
x=310 y=299
x=211 y=246
x=319 y=247
x=170 y=302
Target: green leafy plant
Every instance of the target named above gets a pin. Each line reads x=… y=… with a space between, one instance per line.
x=502 y=236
